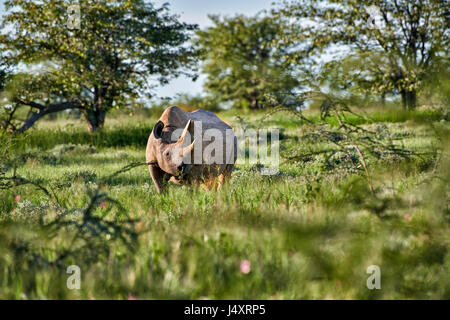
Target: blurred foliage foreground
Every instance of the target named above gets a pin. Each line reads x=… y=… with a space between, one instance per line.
x=351 y=192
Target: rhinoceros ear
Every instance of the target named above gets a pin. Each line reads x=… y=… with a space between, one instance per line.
x=157 y=129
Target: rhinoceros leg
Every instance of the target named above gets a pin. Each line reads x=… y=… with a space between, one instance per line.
x=215 y=182
x=159 y=177
x=225 y=175
x=175 y=180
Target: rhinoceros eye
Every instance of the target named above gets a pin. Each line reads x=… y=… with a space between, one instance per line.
x=167 y=154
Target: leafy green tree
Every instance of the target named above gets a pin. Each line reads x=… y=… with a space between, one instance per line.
x=103 y=60
x=3 y=77
x=240 y=63
x=194 y=102
x=358 y=77
x=392 y=45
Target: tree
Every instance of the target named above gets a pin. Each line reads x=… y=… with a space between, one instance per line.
x=104 y=62
x=240 y=64
x=397 y=42
x=3 y=77
x=189 y=102
x=359 y=77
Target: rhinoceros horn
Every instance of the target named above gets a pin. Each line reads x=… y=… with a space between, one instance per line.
x=188 y=149
x=189 y=128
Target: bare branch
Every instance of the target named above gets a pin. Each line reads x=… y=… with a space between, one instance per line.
x=44 y=110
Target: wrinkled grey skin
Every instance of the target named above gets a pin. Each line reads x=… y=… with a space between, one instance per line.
x=168 y=150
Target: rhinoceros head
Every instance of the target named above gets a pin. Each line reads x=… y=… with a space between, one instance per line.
x=169 y=153
x=170 y=156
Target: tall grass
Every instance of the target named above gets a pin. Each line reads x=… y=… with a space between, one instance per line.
x=309 y=232
x=119 y=136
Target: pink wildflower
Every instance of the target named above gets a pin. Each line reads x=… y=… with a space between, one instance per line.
x=245 y=266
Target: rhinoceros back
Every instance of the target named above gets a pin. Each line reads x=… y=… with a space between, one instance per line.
x=211 y=121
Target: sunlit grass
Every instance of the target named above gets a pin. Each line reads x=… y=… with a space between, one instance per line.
x=309 y=232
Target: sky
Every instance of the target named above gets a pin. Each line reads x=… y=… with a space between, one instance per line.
x=196 y=11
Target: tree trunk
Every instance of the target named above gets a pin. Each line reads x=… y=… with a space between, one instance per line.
x=254 y=104
x=383 y=99
x=403 y=93
x=95 y=118
x=409 y=99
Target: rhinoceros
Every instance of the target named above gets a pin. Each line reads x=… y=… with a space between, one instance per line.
x=191 y=148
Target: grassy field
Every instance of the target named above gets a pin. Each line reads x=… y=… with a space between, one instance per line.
x=309 y=232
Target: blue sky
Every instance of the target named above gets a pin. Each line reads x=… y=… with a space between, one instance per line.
x=196 y=11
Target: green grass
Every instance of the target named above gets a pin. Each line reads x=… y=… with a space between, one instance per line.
x=309 y=232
